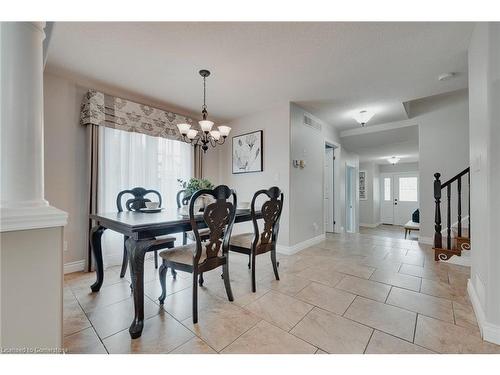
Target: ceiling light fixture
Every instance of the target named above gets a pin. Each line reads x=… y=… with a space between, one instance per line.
x=393 y=160
x=363 y=117
x=446 y=76
x=207 y=135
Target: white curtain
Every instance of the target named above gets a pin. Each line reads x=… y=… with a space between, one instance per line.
x=129 y=160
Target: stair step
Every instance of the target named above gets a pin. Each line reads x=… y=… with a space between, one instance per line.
x=445 y=254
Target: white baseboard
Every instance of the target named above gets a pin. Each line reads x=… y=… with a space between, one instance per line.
x=290 y=250
x=490 y=332
x=369 y=225
x=426 y=240
x=77 y=266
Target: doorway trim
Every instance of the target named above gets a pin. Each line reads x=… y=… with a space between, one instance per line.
x=337 y=225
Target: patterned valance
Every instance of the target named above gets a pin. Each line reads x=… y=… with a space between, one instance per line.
x=106 y=110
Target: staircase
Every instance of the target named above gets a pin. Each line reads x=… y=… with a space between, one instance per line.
x=460 y=240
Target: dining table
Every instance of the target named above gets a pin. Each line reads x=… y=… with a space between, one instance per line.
x=141 y=230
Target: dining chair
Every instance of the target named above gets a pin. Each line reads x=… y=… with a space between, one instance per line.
x=200 y=257
x=257 y=243
x=135 y=203
x=182 y=201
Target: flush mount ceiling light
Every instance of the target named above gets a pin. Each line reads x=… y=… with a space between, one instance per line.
x=363 y=117
x=207 y=135
x=446 y=76
x=393 y=160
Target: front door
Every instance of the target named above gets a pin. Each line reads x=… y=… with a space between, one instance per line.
x=400 y=197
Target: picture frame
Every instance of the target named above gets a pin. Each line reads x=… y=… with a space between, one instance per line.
x=363 y=195
x=248 y=152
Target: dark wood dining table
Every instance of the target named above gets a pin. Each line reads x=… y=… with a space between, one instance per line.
x=141 y=229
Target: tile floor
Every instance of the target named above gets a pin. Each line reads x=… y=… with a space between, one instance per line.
x=359 y=293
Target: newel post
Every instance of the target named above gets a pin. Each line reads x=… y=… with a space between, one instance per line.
x=438 y=238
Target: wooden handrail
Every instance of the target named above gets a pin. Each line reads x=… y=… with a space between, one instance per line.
x=453 y=179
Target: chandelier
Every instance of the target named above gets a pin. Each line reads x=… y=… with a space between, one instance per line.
x=207 y=135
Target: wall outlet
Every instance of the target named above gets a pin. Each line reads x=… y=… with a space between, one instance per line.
x=65 y=245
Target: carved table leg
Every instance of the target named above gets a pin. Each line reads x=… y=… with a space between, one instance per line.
x=137 y=250
x=95 y=244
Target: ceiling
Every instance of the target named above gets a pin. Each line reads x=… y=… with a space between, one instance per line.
x=381 y=145
x=329 y=68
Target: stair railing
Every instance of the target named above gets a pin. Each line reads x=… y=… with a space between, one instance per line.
x=438 y=187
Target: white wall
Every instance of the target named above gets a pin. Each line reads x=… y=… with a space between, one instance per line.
x=306 y=184
x=484 y=100
x=276 y=152
x=443 y=147
x=369 y=209
x=400 y=167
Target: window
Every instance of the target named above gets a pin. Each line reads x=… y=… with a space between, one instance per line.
x=128 y=160
x=408 y=189
x=387 y=189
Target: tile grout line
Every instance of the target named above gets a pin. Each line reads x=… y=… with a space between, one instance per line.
x=368 y=342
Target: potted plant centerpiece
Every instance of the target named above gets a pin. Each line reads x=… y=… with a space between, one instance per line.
x=194 y=184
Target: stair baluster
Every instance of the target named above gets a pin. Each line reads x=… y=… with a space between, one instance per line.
x=438 y=238
x=459 y=189
x=448 y=218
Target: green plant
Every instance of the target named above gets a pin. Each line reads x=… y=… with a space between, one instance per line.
x=195 y=184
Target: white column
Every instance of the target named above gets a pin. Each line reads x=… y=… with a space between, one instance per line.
x=22 y=203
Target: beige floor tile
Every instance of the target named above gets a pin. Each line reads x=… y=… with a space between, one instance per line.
x=194 y=346
x=84 y=342
x=445 y=337
x=319 y=351
x=153 y=288
x=114 y=318
x=105 y=297
x=365 y=288
x=220 y=325
x=382 y=343
x=444 y=290
x=332 y=333
x=426 y=273
x=465 y=316
x=265 y=338
x=241 y=288
x=288 y=284
x=328 y=298
x=279 y=309
x=321 y=275
x=434 y=307
x=74 y=319
x=390 y=319
x=397 y=279
x=381 y=264
x=415 y=259
x=81 y=281
x=161 y=334
x=180 y=304
x=351 y=268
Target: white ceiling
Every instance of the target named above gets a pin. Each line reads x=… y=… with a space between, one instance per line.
x=329 y=68
x=381 y=145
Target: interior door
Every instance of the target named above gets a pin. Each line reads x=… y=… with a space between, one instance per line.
x=406 y=197
x=328 y=190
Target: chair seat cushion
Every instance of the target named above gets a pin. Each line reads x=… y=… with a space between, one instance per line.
x=412 y=225
x=242 y=240
x=204 y=233
x=182 y=254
